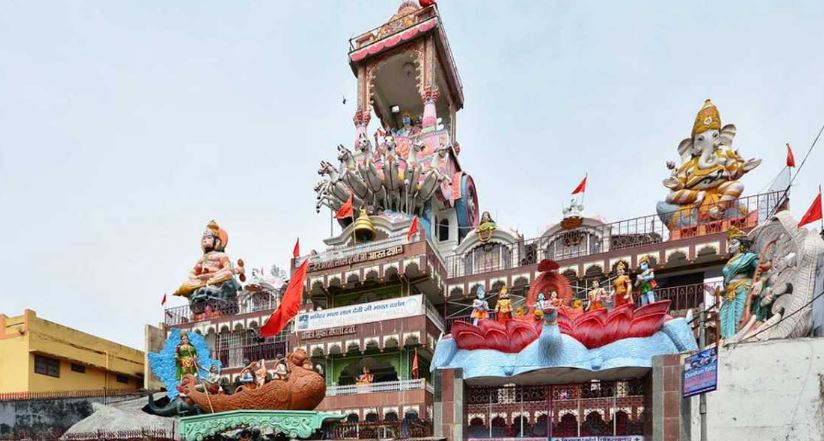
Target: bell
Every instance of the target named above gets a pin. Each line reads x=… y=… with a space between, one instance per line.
x=364 y=230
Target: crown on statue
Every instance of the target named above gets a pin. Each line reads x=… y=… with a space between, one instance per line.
x=621 y=266
x=735 y=233
x=708 y=118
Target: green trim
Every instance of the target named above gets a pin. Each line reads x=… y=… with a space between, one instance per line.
x=292 y=423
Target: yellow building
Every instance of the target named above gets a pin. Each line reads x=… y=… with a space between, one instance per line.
x=37 y=355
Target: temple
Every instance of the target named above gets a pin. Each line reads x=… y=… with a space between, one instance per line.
x=425 y=317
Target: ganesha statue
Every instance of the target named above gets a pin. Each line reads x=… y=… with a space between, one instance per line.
x=211 y=285
x=705 y=186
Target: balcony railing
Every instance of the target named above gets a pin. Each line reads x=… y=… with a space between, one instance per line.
x=382 y=430
x=590 y=240
x=179 y=315
x=389 y=386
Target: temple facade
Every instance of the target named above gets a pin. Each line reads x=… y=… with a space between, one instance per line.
x=427 y=318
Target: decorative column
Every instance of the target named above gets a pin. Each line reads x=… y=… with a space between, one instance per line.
x=361 y=120
x=430 y=114
x=450 y=401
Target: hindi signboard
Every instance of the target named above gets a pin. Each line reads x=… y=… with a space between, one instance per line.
x=362 y=313
x=351 y=259
x=701 y=372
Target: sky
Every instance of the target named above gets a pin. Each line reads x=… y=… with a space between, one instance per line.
x=126 y=126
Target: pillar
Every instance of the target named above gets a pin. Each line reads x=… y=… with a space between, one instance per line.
x=430 y=114
x=669 y=412
x=450 y=397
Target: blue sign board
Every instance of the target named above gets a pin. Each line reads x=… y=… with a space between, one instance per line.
x=701 y=372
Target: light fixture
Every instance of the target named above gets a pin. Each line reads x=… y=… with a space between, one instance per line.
x=395 y=109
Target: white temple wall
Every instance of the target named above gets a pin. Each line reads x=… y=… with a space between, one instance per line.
x=767 y=391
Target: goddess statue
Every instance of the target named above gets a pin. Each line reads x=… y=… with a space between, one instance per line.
x=211 y=280
x=185 y=357
x=646 y=281
x=738 y=274
x=366 y=376
x=408 y=129
x=596 y=296
x=621 y=286
x=705 y=185
x=486 y=227
x=503 y=307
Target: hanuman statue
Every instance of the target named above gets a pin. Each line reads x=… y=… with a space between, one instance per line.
x=211 y=282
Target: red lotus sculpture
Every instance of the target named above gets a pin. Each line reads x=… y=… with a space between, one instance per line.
x=593 y=329
x=490 y=334
x=601 y=327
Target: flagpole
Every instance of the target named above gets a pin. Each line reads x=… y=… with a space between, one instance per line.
x=584 y=195
x=822 y=217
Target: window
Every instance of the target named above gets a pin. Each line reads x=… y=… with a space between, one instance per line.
x=122 y=379
x=443 y=230
x=78 y=368
x=46 y=366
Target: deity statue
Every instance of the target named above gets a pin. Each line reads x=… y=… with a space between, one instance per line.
x=185 y=357
x=486 y=227
x=738 y=274
x=211 y=281
x=366 y=376
x=706 y=185
x=408 y=128
x=621 y=286
x=646 y=281
x=281 y=369
x=260 y=373
x=503 y=307
x=596 y=296
x=480 y=307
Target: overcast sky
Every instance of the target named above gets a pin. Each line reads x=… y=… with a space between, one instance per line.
x=126 y=126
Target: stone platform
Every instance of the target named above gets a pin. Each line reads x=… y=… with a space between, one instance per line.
x=292 y=423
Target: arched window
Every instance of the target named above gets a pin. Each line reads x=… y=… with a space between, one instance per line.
x=443 y=230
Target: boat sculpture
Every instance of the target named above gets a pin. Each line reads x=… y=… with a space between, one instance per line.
x=304 y=389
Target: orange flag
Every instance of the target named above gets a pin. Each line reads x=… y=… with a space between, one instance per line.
x=345 y=209
x=296 y=249
x=813 y=213
x=415 y=372
x=413 y=228
x=289 y=305
x=582 y=187
x=790 y=156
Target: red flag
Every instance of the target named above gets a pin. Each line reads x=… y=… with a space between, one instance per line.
x=813 y=213
x=289 y=305
x=345 y=209
x=163 y=301
x=582 y=187
x=790 y=157
x=415 y=372
x=413 y=228
x=296 y=250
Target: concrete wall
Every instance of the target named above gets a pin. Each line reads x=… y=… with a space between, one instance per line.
x=767 y=391
x=45 y=417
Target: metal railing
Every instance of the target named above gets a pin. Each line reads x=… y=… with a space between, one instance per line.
x=382 y=430
x=232 y=356
x=590 y=240
x=179 y=315
x=389 y=386
x=433 y=315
